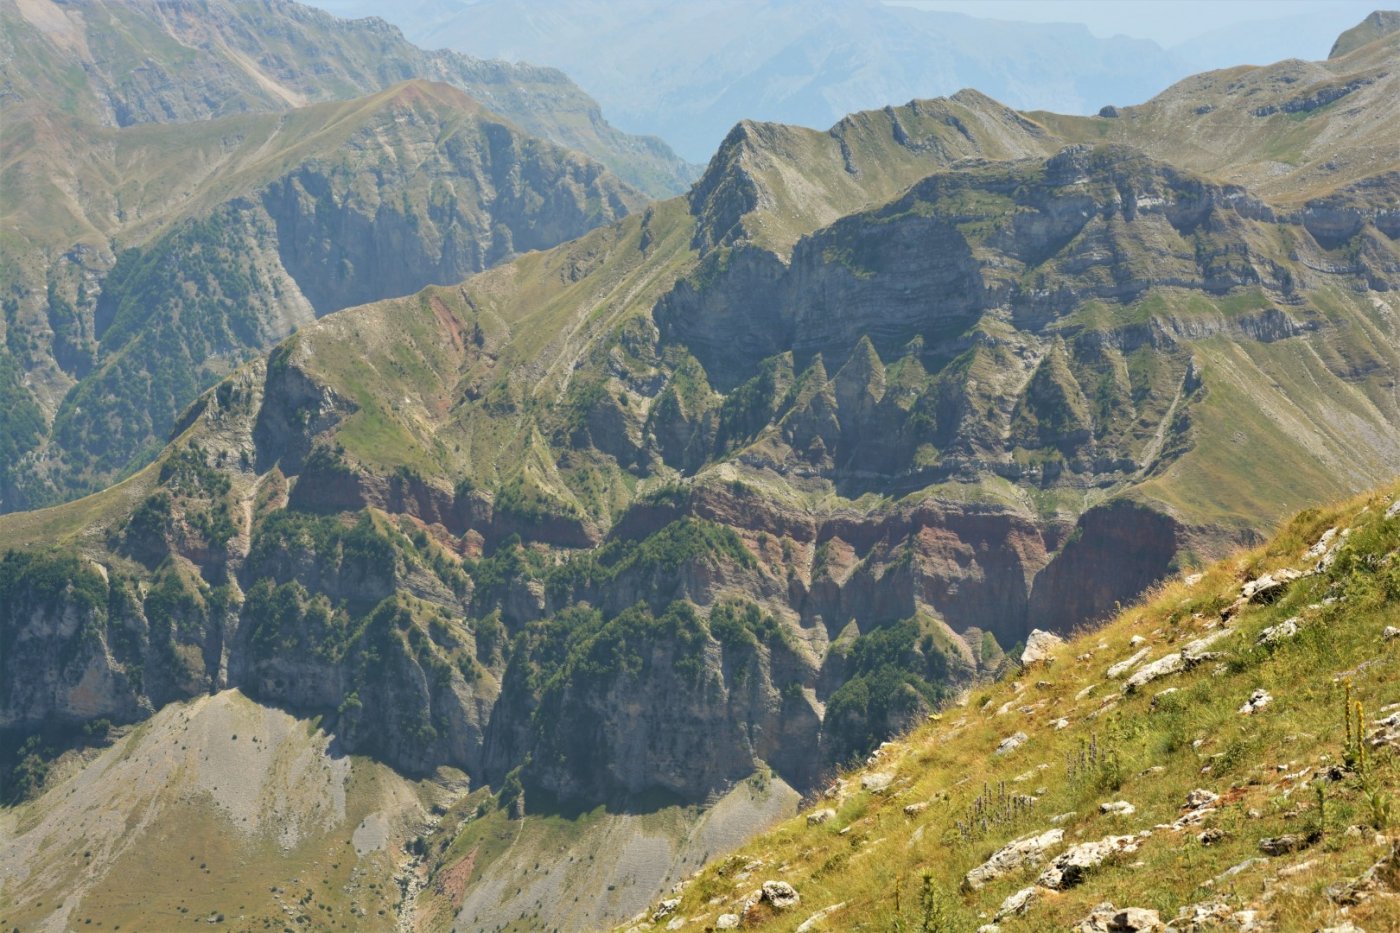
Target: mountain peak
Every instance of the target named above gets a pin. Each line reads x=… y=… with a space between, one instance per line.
x=1375 y=26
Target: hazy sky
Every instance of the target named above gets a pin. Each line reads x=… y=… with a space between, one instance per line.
x=1165 y=21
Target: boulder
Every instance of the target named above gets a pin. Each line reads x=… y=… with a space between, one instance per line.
x=1028 y=850
x=1011 y=743
x=1117 y=808
x=780 y=895
x=727 y=922
x=817 y=817
x=877 y=781
x=1040 y=647
x=1157 y=669
x=1270 y=586
x=1016 y=904
x=1283 y=845
x=1127 y=664
x=1390 y=633
x=1257 y=700
x=1106 y=918
x=666 y=908
x=1069 y=867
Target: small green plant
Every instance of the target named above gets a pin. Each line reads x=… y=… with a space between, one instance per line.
x=1382 y=809
x=933 y=909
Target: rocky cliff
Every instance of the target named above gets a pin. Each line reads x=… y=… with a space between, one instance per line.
x=280 y=154
x=328 y=207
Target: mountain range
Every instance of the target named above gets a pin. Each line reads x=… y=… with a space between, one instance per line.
x=688 y=71
x=215 y=146
x=516 y=599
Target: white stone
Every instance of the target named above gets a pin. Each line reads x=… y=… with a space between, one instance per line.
x=1158 y=668
x=1127 y=664
x=1069 y=867
x=806 y=926
x=1041 y=646
x=1117 y=808
x=780 y=895
x=877 y=781
x=1016 y=904
x=1257 y=700
x=1028 y=850
x=727 y=922
x=1011 y=743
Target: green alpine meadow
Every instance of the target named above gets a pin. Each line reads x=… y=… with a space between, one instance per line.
x=425 y=505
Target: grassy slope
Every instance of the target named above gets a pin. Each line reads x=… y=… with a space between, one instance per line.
x=807 y=179
x=1217 y=123
x=873 y=855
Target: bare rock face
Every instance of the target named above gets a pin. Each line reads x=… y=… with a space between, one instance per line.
x=1127 y=546
x=80 y=646
x=689 y=715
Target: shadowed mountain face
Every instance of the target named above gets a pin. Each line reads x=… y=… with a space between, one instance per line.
x=747 y=480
